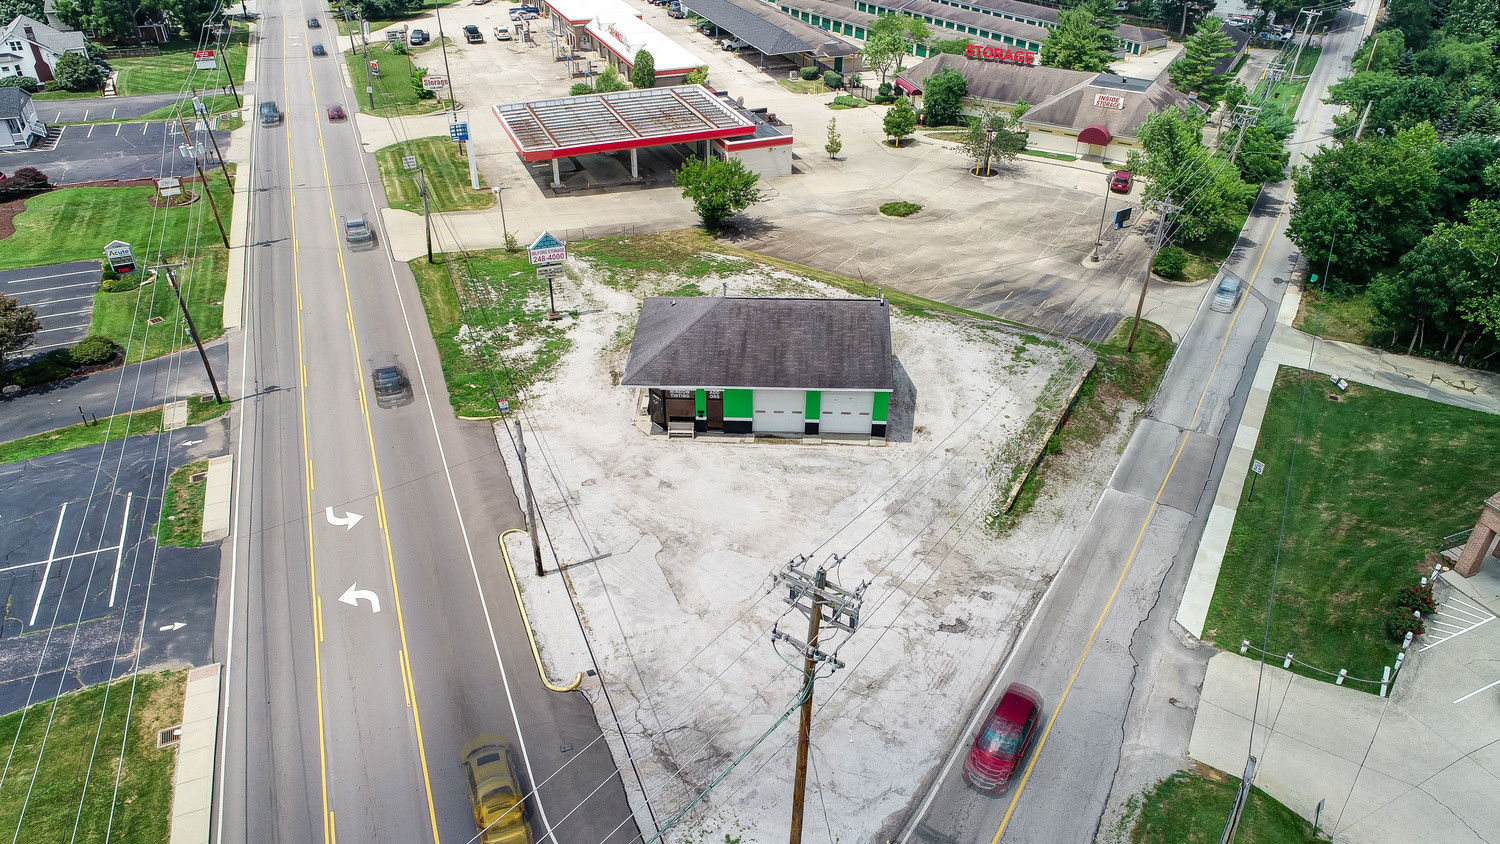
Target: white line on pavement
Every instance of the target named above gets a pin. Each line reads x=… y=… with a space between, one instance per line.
x=1477 y=691
x=120 y=553
x=42 y=589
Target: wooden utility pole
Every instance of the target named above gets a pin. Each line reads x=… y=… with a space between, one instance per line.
x=1166 y=209
x=427 y=215
x=536 y=548
x=223 y=167
x=193 y=331
x=804 y=732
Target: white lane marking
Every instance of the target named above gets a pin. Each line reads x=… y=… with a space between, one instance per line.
x=348 y=520
x=51 y=275
x=353 y=595
x=114 y=582
x=176 y=625
x=51 y=555
x=1477 y=691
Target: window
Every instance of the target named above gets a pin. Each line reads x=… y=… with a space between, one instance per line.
x=15 y=46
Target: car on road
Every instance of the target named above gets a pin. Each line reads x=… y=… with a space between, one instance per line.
x=1227 y=294
x=357 y=230
x=312 y=23
x=1002 y=745
x=499 y=807
x=419 y=37
x=336 y=112
x=502 y=33
x=319 y=51
x=1121 y=181
x=473 y=35
x=270 y=114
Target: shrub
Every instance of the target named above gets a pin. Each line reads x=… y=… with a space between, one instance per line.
x=399 y=48
x=27 y=181
x=62 y=358
x=884 y=90
x=848 y=101
x=900 y=209
x=76 y=73
x=93 y=349
x=884 y=99
x=832 y=80
x=697 y=76
x=809 y=73
x=579 y=89
x=1170 y=261
x=26 y=82
x=1399 y=622
x=1417 y=596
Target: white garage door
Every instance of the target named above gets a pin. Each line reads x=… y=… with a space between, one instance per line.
x=780 y=411
x=846 y=413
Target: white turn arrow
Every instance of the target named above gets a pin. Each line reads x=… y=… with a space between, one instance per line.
x=348 y=519
x=176 y=625
x=353 y=595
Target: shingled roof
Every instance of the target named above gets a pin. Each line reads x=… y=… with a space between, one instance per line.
x=733 y=342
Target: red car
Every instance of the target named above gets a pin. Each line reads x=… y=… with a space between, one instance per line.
x=335 y=112
x=1120 y=182
x=1001 y=746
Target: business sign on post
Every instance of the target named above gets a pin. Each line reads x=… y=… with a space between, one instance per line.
x=203 y=59
x=120 y=258
x=374 y=68
x=458 y=131
x=547 y=249
x=1109 y=101
x=434 y=82
x=1121 y=217
x=550 y=271
x=168 y=186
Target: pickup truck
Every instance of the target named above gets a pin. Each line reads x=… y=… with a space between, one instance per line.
x=473 y=35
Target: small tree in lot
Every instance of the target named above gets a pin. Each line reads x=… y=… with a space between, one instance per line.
x=943 y=96
x=993 y=136
x=718 y=189
x=835 y=143
x=17 y=326
x=900 y=121
x=697 y=76
x=643 y=75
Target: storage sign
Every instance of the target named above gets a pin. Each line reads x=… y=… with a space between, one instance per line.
x=203 y=59
x=434 y=82
x=547 y=249
x=1000 y=54
x=1109 y=101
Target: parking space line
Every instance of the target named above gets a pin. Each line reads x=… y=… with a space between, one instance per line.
x=59 y=559
x=85 y=116
x=114 y=582
x=59 y=328
x=62 y=314
x=91 y=132
x=42 y=589
x=117 y=129
x=53 y=275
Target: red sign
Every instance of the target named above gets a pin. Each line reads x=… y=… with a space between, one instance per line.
x=1000 y=54
x=374 y=67
x=203 y=54
x=1109 y=101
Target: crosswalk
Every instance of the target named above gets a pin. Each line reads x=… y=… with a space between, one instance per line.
x=1455 y=616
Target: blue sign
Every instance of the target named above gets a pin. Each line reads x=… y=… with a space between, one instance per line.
x=1121 y=216
x=458 y=131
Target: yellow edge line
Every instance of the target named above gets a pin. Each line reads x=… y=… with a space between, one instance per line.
x=1140 y=536
x=526 y=620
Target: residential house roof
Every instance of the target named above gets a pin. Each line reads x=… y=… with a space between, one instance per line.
x=13 y=102
x=49 y=39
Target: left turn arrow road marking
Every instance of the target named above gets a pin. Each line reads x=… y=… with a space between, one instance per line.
x=353 y=595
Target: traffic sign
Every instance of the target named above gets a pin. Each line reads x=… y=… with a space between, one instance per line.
x=375 y=68
x=409 y=162
x=203 y=59
x=547 y=249
x=458 y=131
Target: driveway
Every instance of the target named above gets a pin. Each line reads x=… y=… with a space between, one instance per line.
x=62 y=296
x=103 y=151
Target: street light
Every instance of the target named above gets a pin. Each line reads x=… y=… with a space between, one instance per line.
x=504 y=232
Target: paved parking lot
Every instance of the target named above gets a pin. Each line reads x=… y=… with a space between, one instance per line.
x=83 y=585
x=100 y=151
x=62 y=296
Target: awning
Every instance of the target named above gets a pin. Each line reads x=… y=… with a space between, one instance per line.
x=1096 y=135
x=907 y=86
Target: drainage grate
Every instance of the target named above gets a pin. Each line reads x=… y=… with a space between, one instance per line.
x=197 y=477
x=156 y=320
x=169 y=736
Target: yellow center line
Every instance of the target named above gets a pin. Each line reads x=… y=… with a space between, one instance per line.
x=1139 y=538
x=379 y=488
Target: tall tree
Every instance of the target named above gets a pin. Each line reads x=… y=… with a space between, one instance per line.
x=1261 y=157
x=942 y=94
x=643 y=74
x=189 y=15
x=718 y=189
x=1078 y=42
x=911 y=32
x=1174 y=166
x=1413 y=18
x=993 y=137
x=30 y=8
x=1472 y=19
x=17 y=326
x=900 y=120
x=108 y=18
x=882 y=50
x=1461 y=166
x=1194 y=70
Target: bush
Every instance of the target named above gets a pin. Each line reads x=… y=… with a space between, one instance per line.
x=579 y=89
x=697 y=76
x=399 y=48
x=884 y=99
x=1417 y=596
x=900 y=209
x=76 y=73
x=848 y=101
x=27 y=181
x=93 y=349
x=62 y=358
x=809 y=73
x=1400 y=622
x=885 y=89
x=832 y=80
x=28 y=83
x=1170 y=262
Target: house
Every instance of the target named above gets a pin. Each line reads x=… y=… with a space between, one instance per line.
x=29 y=47
x=19 y=117
x=788 y=367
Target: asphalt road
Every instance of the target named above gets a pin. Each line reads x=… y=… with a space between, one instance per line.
x=345 y=721
x=102 y=151
x=62 y=296
x=85 y=587
x=1119 y=684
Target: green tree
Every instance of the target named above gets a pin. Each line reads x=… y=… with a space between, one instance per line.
x=190 y=15
x=17 y=326
x=942 y=95
x=1078 y=42
x=1450 y=281
x=76 y=73
x=1461 y=166
x=1386 y=46
x=1394 y=101
x=992 y=137
x=951 y=46
x=909 y=30
x=643 y=75
x=1412 y=18
x=835 y=143
x=1176 y=168
x=718 y=189
x=1261 y=157
x=610 y=80
x=1473 y=20
x=697 y=76
x=9 y=9
x=900 y=120
x=881 y=52
x=1194 y=71
x=108 y=18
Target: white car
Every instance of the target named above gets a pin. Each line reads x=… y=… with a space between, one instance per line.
x=502 y=33
x=733 y=45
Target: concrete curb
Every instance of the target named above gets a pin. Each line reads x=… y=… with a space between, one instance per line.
x=192 y=784
x=510 y=569
x=216 y=498
x=242 y=154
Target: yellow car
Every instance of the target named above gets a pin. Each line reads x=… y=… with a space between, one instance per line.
x=499 y=806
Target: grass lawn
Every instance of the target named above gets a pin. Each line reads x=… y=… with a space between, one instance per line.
x=123 y=314
x=173 y=69
x=1379 y=479
x=182 y=509
x=64 y=95
x=108 y=429
x=1350 y=319
x=1188 y=808
x=1217 y=247
x=803 y=86
x=1198 y=268
x=394 y=93
x=141 y=809
x=447 y=173
x=1055 y=156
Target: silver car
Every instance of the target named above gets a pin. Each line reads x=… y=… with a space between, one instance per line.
x=1227 y=295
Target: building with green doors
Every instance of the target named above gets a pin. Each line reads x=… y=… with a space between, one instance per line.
x=744 y=366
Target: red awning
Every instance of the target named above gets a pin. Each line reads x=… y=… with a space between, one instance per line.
x=907 y=86
x=1096 y=135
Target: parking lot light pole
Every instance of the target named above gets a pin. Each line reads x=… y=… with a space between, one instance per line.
x=1099 y=241
x=500 y=198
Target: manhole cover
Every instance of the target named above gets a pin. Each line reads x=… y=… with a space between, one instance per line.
x=169 y=736
x=197 y=477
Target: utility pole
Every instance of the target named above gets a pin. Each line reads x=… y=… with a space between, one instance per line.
x=500 y=198
x=1164 y=209
x=1311 y=15
x=230 y=76
x=190 y=151
x=443 y=43
x=223 y=167
x=842 y=608
x=193 y=331
x=1362 y=119
x=536 y=548
x=1245 y=119
x=426 y=212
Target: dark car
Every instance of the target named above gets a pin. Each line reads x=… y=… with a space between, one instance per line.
x=312 y=23
x=319 y=51
x=535 y=10
x=1121 y=181
x=473 y=35
x=357 y=230
x=419 y=37
x=336 y=112
x=1001 y=746
x=270 y=114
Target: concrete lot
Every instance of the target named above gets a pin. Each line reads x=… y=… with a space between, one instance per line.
x=62 y=296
